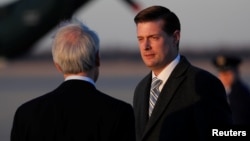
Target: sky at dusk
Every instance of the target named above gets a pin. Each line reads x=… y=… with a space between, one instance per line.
x=204 y=23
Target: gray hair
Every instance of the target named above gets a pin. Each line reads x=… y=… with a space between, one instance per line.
x=75 y=47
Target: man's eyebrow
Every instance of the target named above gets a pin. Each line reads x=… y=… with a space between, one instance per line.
x=150 y=35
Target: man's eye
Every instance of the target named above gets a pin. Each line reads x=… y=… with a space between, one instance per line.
x=139 y=39
x=155 y=37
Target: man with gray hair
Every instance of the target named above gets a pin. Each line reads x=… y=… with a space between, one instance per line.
x=75 y=110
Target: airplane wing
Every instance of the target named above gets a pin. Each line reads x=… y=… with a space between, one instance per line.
x=23 y=22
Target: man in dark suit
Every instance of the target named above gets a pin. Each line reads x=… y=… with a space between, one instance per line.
x=238 y=93
x=75 y=110
x=183 y=101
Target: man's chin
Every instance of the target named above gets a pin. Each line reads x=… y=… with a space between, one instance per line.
x=149 y=65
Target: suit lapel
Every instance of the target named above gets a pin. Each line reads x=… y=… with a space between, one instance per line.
x=167 y=93
x=144 y=100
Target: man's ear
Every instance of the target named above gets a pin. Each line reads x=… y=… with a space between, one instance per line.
x=177 y=36
x=58 y=67
x=97 y=59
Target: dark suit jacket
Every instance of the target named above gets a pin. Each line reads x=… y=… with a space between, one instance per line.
x=191 y=102
x=239 y=99
x=75 y=111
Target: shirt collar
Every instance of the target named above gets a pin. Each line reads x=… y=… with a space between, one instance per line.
x=77 y=77
x=165 y=73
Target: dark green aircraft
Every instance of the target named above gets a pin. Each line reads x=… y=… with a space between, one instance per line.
x=23 y=22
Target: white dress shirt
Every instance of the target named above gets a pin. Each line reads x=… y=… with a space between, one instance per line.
x=165 y=73
x=77 y=77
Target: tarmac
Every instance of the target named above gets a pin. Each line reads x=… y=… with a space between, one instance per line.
x=24 y=79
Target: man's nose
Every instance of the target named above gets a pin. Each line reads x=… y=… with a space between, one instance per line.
x=147 y=45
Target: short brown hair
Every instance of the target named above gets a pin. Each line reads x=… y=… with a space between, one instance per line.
x=171 y=21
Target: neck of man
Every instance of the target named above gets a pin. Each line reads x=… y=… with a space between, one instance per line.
x=93 y=74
